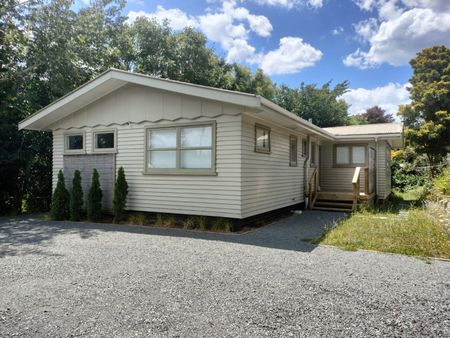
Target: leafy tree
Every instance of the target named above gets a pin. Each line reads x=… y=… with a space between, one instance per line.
x=356 y=120
x=427 y=117
x=76 y=197
x=60 y=202
x=120 y=195
x=94 y=201
x=376 y=114
x=322 y=105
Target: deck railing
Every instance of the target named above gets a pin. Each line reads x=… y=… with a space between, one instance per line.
x=356 y=182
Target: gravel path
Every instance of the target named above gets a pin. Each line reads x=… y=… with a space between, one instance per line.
x=62 y=279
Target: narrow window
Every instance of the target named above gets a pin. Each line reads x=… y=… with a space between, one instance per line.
x=74 y=142
x=181 y=149
x=262 y=139
x=293 y=151
x=342 y=155
x=313 y=153
x=304 y=147
x=104 y=140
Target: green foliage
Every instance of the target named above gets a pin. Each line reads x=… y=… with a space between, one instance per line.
x=159 y=220
x=322 y=105
x=76 y=197
x=427 y=117
x=138 y=219
x=120 y=195
x=221 y=224
x=189 y=223
x=201 y=222
x=94 y=201
x=60 y=202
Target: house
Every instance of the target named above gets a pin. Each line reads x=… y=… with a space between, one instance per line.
x=190 y=149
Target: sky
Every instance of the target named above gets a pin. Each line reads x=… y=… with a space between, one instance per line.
x=367 y=42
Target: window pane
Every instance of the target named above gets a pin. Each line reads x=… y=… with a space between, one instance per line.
x=195 y=159
x=75 y=142
x=304 y=147
x=342 y=155
x=358 y=154
x=196 y=136
x=262 y=138
x=162 y=159
x=313 y=153
x=163 y=138
x=104 y=140
x=293 y=149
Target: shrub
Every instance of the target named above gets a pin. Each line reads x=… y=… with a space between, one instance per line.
x=221 y=224
x=120 y=195
x=94 y=202
x=138 y=219
x=201 y=222
x=159 y=220
x=59 y=209
x=189 y=223
x=170 y=221
x=76 y=197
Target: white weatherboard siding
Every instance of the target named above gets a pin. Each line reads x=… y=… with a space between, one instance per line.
x=268 y=182
x=130 y=110
x=336 y=179
x=383 y=169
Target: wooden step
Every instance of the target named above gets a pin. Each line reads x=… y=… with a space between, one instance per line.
x=335 y=196
x=338 y=204
x=332 y=209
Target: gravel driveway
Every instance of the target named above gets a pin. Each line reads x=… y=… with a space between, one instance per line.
x=60 y=279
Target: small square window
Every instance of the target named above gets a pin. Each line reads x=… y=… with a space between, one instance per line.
x=262 y=139
x=104 y=140
x=293 y=151
x=74 y=142
x=358 y=154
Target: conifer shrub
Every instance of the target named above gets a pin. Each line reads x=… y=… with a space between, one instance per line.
x=120 y=195
x=76 y=197
x=59 y=209
x=94 y=201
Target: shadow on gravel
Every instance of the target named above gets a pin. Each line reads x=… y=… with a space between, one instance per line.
x=27 y=235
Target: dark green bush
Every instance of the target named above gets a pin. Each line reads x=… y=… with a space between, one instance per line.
x=405 y=177
x=59 y=209
x=76 y=197
x=94 y=202
x=120 y=195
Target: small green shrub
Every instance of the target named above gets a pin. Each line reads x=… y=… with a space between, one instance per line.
x=120 y=195
x=94 y=202
x=138 y=219
x=201 y=222
x=59 y=209
x=442 y=182
x=76 y=197
x=222 y=224
x=189 y=223
x=170 y=221
x=159 y=220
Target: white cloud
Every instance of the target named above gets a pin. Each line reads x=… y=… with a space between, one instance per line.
x=388 y=97
x=289 y=4
x=240 y=50
x=403 y=30
x=337 y=31
x=176 y=17
x=292 y=56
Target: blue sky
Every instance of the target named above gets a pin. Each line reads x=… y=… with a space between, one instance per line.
x=367 y=42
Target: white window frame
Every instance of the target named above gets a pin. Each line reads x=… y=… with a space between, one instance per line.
x=350 y=149
x=269 y=140
x=293 y=162
x=104 y=150
x=68 y=151
x=178 y=170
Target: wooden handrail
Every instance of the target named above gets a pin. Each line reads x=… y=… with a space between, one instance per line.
x=312 y=188
x=357 y=185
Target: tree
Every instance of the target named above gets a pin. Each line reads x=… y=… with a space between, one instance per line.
x=94 y=201
x=322 y=105
x=120 y=195
x=60 y=202
x=76 y=197
x=427 y=117
x=377 y=115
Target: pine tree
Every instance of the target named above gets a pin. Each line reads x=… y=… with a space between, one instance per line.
x=120 y=195
x=59 y=209
x=94 y=202
x=76 y=197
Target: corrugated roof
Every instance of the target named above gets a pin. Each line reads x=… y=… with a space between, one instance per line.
x=367 y=129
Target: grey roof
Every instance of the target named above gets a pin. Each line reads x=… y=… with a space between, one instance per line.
x=367 y=129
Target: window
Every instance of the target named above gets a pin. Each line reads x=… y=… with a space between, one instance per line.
x=74 y=143
x=313 y=153
x=181 y=149
x=293 y=151
x=304 y=147
x=349 y=155
x=104 y=141
x=262 y=139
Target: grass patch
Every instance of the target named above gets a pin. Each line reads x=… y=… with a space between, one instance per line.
x=417 y=232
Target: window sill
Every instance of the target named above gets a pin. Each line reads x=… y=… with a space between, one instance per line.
x=262 y=151
x=74 y=152
x=181 y=172
x=105 y=151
